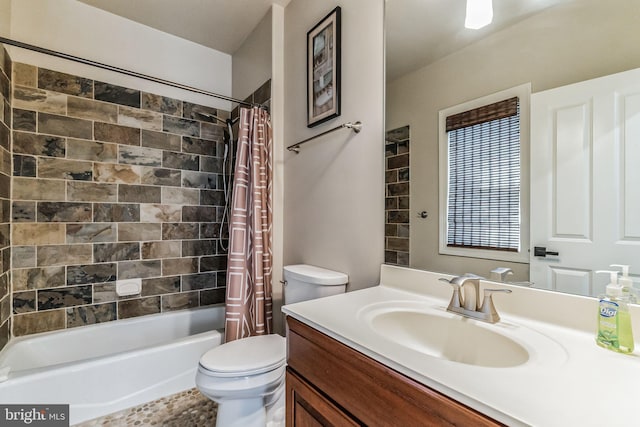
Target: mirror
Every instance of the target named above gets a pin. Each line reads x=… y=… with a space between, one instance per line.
x=433 y=63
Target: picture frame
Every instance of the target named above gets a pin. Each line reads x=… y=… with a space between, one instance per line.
x=323 y=69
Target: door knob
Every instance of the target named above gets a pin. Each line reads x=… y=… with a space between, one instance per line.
x=541 y=251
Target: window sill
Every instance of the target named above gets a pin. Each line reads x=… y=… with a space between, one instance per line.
x=521 y=256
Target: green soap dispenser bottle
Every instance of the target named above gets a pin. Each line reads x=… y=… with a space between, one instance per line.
x=614 y=320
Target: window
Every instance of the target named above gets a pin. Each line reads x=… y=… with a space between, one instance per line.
x=482 y=185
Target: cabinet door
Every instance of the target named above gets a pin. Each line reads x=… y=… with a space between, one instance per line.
x=308 y=408
x=365 y=391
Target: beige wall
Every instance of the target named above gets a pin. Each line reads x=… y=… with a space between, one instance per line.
x=88 y=32
x=566 y=44
x=5 y=18
x=252 y=61
x=334 y=203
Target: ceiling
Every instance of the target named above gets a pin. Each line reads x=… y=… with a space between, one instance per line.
x=222 y=25
x=418 y=32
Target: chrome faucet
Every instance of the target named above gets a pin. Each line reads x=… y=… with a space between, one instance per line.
x=466 y=298
x=499 y=274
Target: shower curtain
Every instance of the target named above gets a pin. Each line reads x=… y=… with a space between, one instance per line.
x=249 y=261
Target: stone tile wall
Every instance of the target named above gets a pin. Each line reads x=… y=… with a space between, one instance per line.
x=397 y=201
x=109 y=183
x=5 y=192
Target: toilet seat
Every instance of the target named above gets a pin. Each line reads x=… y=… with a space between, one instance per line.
x=244 y=357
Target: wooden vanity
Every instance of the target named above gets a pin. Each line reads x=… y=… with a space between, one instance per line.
x=330 y=384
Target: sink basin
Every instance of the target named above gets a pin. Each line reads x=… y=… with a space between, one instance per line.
x=444 y=335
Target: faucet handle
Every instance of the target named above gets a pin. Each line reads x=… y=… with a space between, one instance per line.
x=452 y=282
x=487 y=304
x=493 y=291
x=460 y=280
x=500 y=274
x=455 y=297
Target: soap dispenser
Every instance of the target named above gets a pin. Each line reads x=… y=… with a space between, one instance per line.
x=614 y=320
x=626 y=283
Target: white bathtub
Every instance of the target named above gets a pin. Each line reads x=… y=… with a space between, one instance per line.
x=107 y=367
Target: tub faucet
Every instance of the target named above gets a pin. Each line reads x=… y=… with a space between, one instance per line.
x=466 y=298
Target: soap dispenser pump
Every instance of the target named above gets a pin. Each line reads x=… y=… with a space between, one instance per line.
x=614 y=320
x=626 y=283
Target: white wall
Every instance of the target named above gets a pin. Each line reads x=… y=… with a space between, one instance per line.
x=562 y=45
x=78 y=29
x=334 y=195
x=252 y=61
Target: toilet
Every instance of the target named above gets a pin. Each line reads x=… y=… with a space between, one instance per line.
x=246 y=377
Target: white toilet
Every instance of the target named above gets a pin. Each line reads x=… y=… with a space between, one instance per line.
x=246 y=377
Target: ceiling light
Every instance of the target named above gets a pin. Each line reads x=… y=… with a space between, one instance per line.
x=479 y=13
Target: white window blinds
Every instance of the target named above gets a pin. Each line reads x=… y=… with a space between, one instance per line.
x=483 y=206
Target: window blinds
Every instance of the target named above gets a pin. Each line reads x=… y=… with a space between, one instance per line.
x=484 y=177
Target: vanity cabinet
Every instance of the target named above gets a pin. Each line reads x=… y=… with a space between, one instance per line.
x=330 y=384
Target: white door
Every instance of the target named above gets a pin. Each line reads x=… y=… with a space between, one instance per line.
x=585 y=182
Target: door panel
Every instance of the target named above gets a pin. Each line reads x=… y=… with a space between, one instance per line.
x=571 y=281
x=572 y=184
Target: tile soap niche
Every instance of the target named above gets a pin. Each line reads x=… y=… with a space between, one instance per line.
x=125 y=288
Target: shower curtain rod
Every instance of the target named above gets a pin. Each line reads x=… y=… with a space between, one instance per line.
x=123 y=71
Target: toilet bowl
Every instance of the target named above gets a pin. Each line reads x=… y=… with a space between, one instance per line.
x=246 y=377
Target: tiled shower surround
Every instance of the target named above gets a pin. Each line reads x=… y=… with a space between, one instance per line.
x=110 y=183
x=5 y=192
x=397 y=201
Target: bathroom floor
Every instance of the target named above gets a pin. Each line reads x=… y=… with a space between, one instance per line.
x=186 y=409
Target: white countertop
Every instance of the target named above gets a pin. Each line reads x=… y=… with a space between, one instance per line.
x=567 y=381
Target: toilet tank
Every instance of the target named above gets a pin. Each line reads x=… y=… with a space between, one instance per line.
x=306 y=282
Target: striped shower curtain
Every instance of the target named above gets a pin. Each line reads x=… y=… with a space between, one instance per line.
x=248 y=299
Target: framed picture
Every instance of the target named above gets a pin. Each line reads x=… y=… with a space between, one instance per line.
x=323 y=69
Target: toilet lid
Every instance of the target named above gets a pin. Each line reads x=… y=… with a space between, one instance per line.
x=247 y=356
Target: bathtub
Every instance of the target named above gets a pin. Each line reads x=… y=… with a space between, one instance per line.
x=108 y=367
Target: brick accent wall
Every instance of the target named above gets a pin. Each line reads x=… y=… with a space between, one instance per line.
x=110 y=183
x=397 y=201
x=5 y=192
